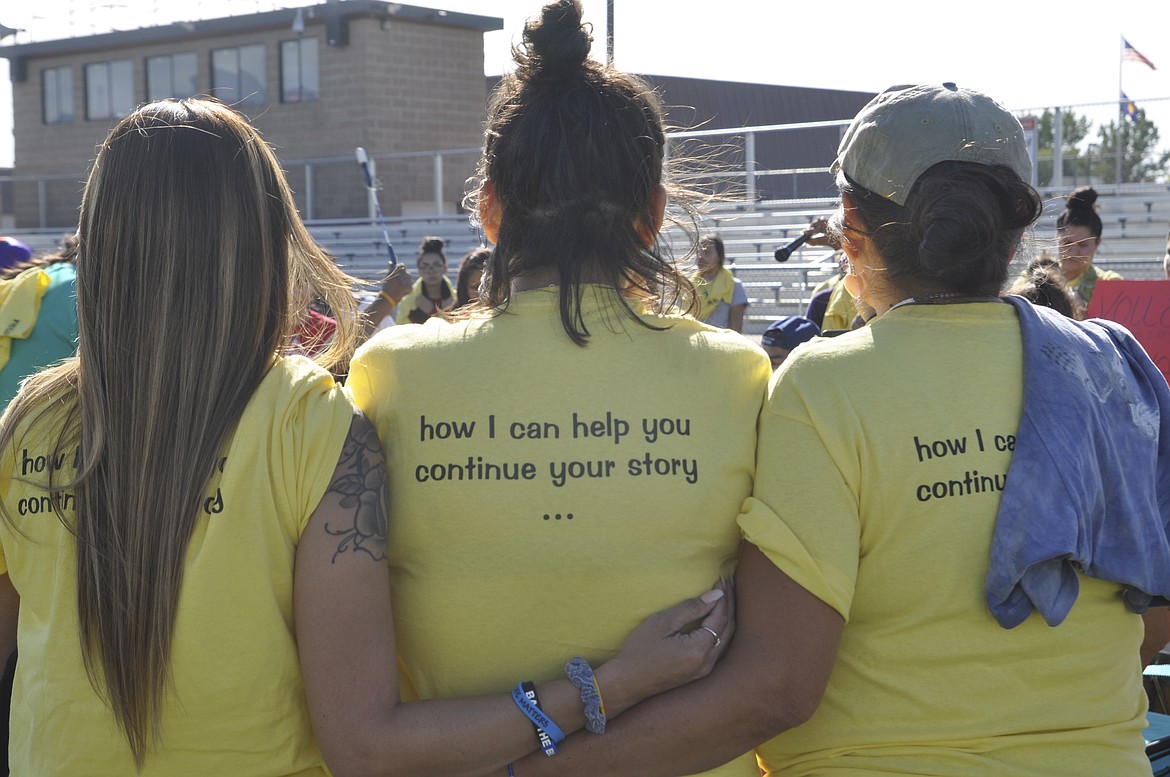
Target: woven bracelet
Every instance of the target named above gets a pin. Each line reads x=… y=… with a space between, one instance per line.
x=581 y=675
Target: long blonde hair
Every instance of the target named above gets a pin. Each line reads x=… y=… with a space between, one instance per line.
x=190 y=248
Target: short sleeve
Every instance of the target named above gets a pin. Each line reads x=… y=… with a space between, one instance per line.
x=803 y=513
x=739 y=295
x=359 y=383
x=314 y=415
x=14 y=485
x=373 y=380
x=839 y=311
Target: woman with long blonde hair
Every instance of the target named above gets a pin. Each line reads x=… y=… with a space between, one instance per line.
x=159 y=490
x=128 y=470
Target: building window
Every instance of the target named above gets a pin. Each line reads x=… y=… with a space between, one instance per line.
x=109 y=89
x=174 y=75
x=299 y=80
x=57 y=85
x=237 y=75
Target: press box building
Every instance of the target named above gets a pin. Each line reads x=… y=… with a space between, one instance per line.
x=318 y=81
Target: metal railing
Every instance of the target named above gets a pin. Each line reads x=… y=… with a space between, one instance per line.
x=415 y=184
x=742 y=165
x=751 y=173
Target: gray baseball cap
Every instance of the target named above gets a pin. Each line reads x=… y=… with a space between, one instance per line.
x=908 y=129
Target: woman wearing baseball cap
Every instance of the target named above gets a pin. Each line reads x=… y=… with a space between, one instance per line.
x=958 y=509
x=930 y=493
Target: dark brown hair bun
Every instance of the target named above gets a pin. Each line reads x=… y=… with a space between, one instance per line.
x=432 y=245
x=1084 y=197
x=556 y=44
x=1080 y=210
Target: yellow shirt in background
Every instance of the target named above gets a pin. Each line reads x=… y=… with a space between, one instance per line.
x=840 y=310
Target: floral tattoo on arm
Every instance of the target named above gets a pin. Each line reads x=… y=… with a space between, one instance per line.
x=362 y=486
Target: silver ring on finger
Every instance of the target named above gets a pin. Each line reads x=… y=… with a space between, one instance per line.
x=712 y=632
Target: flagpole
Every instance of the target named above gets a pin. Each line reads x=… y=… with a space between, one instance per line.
x=1120 y=71
x=1120 y=113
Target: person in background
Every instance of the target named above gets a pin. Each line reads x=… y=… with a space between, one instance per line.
x=844 y=312
x=318 y=324
x=378 y=313
x=817 y=234
x=569 y=454
x=722 y=297
x=1078 y=233
x=38 y=315
x=1042 y=283
x=432 y=292
x=13 y=253
x=315 y=331
x=192 y=522
x=818 y=302
x=784 y=334
x=470 y=274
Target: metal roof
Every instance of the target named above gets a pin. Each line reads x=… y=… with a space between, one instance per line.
x=706 y=104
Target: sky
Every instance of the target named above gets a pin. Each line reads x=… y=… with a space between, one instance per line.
x=1028 y=55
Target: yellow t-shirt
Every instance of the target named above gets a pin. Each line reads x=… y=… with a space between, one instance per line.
x=882 y=456
x=545 y=497
x=237 y=706
x=840 y=310
x=1085 y=283
x=407 y=304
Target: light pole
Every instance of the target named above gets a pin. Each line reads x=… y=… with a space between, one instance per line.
x=609 y=32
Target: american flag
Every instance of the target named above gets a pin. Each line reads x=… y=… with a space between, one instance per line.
x=1128 y=52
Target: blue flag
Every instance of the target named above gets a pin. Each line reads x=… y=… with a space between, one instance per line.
x=1129 y=108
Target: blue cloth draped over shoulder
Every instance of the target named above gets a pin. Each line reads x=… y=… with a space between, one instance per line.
x=1089 y=483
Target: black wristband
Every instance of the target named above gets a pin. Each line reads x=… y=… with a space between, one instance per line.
x=547 y=745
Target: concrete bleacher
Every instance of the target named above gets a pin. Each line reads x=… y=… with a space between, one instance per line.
x=360 y=247
x=1136 y=218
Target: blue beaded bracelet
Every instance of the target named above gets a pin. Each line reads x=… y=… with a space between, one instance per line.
x=548 y=733
x=581 y=675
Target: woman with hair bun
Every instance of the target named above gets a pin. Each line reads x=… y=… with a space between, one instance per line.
x=432 y=292
x=959 y=510
x=1078 y=231
x=568 y=455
